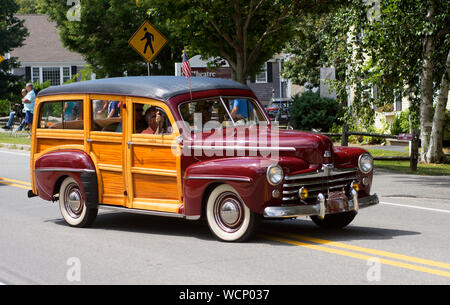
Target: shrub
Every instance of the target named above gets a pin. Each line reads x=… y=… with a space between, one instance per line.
x=310 y=111
x=4 y=107
x=400 y=124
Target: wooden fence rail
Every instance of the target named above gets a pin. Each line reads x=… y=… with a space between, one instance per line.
x=413 y=138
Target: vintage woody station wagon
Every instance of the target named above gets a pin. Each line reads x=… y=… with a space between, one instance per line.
x=153 y=145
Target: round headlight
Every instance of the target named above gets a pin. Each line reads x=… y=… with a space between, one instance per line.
x=274 y=174
x=365 y=163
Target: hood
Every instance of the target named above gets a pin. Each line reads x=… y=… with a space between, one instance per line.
x=309 y=146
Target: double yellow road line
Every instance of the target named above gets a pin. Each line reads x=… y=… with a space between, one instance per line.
x=361 y=253
x=16 y=183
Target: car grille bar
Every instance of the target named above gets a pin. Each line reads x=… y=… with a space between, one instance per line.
x=318 y=182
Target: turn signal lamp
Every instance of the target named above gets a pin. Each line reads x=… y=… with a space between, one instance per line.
x=303 y=193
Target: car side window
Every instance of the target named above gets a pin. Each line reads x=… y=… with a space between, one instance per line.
x=150 y=119
x=51 y=115
x=62 y=115
x=106 y=115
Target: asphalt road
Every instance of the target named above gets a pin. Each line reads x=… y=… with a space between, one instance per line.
x=403 y=240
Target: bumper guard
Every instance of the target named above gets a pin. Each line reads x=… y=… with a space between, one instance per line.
x=320 y=208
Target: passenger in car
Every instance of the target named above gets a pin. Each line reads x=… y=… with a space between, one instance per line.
x=156 y=120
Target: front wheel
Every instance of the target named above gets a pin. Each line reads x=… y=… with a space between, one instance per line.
x=229 y=219
x=335 y=221
x=72 y=205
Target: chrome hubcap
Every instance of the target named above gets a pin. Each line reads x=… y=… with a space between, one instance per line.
x=228 y=212
x=73 y=200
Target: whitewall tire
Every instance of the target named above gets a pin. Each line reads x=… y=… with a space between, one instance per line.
x=72 y=205
x=229 y=219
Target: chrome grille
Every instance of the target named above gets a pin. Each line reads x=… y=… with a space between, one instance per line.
x=318 y=182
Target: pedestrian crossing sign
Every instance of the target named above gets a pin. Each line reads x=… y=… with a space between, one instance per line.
x=147 y=41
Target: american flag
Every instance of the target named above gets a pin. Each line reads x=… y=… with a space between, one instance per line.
x=186 y=67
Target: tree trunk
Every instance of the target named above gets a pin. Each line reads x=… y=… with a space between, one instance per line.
x=435 y=153
x=240 y=73
x=426 y=103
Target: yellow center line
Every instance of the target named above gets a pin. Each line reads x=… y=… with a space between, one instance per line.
x=370 y=251
x=16 y=183
x=359 y=256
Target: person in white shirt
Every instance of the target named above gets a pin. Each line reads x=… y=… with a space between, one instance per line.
x=28 y=104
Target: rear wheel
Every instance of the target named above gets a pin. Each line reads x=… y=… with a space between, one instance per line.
x=72 y=205
x=229 y=219
x=335 y=221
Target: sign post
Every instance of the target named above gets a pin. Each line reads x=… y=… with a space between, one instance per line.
x=148 y=42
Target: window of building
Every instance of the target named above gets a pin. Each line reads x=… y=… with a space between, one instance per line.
x=66 y=74
x=35 y=75
x=52 y=74
x=56 y=75
x=261 y=77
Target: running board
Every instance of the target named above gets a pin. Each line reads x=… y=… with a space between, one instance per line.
x=147 y=212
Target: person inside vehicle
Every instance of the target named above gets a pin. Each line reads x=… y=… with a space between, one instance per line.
x=156 y=120
x=240 y=110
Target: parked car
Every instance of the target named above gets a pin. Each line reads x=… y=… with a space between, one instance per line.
x=275 y=105
x=154 y=145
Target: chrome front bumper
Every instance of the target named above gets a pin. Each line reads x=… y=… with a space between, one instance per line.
x=320 y=209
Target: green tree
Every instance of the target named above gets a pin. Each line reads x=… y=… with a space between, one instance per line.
x=409 y=51
x=12 y=35
x=101 y=35
x=399 y=47
x=244 y=33
x=27 y=6
x=307 y=52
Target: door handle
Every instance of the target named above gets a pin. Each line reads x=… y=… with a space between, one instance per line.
x=129 y=143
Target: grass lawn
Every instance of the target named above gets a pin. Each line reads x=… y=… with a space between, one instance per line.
x=20 y=140
x=403 y=166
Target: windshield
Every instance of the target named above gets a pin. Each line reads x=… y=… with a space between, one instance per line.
x=221 y=112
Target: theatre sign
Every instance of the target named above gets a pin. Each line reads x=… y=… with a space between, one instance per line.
x=200 y=68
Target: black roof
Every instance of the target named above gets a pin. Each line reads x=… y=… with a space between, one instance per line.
x=157 y=87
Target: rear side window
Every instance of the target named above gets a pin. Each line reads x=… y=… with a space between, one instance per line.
x=106 y=115
x=62 y=115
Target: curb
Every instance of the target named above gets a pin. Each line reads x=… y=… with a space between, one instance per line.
x=19 y=147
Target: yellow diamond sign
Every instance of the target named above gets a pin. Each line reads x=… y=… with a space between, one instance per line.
x=1 y=58
x=147 y=41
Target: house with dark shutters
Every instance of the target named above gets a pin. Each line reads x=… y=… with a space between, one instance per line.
x=43 y=57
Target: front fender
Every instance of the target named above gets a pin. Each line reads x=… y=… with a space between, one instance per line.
x=247 y=175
